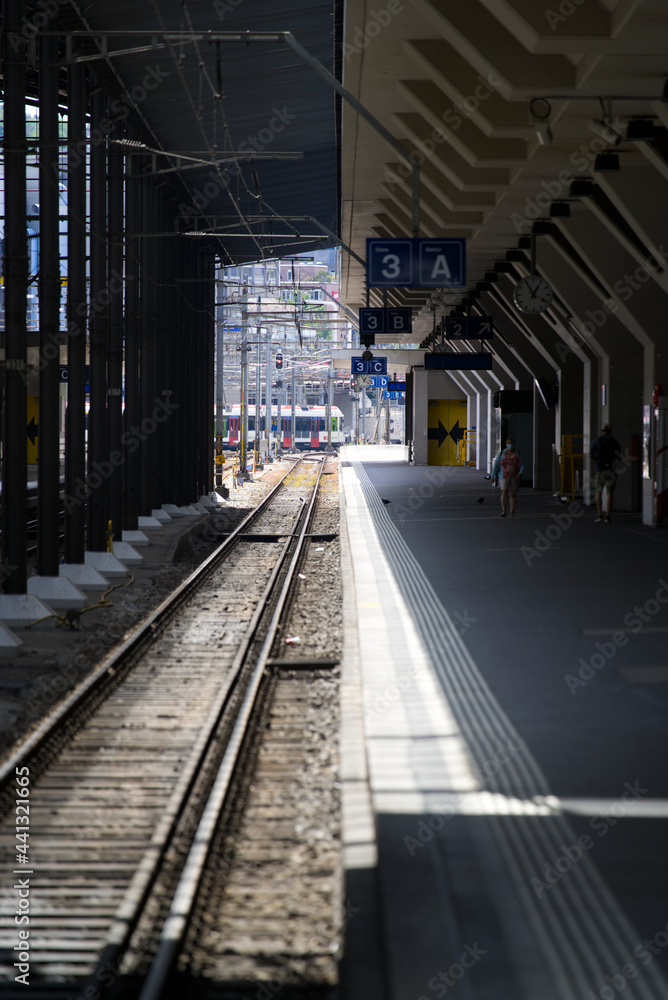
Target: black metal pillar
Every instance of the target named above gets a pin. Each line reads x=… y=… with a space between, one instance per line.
x=181 y=256
x=75 y=439
x=98 y=461
x=199 y=373
x=15 y=269
x=170 y=443
x=190 y=371
x=131 y=414
x=115 y=342
x=162 y=405
x=147 y=379
x=48 y=546
x=210 y=347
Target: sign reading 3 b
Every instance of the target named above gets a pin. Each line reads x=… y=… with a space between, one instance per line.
x=391 y=320
x=416 y=263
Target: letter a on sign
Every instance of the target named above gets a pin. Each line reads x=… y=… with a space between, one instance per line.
x=442 y=263
x=440 y=268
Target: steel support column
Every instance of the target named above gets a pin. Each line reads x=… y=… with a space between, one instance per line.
x=164 y=493
x=147 y=378
x=48 y=528
x=115 y=341
x=131 y=414
x=98 y=455
x=209 y=347
x=180 y=397
x=75 y=420
x=14 y=416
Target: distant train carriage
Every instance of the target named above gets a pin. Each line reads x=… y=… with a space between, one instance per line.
x=310 y=426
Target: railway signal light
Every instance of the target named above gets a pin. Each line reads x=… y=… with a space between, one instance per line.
x=279 y=361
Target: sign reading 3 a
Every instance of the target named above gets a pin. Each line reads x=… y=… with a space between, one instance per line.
x=416 y=263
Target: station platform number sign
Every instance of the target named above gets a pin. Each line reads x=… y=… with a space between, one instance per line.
x=416 y=263
x=386 y=320
x=469 y=327
x=377 y=366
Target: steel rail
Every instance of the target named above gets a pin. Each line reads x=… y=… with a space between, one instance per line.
x=177 y=920
x=130 y=910
x=142 y=634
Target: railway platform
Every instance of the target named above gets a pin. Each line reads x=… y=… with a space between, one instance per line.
x=505 y=692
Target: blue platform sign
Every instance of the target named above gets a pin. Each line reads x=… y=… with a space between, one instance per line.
x=377 y=366
x=469 y=327
x=389 y=263
x=416 y=263
x=372 y=320
x=391 y=394
x=391 y=320
x=379 y=381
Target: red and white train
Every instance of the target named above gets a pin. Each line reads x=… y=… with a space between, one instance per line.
x=310 y=426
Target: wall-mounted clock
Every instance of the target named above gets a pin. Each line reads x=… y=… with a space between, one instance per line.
x=532 y=294
x=364 y=381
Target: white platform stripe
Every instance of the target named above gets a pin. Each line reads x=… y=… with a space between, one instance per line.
x=583 y=930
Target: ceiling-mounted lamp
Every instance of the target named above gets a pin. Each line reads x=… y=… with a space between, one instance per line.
x=640 y=130
x=542 y=227
x=540 y=110
x=582 y=187
x=504 y=267
x=560 y=210
x=524 y=243
x=491 y=276
x=606 y=163
x=484 y=286
x=518 y=256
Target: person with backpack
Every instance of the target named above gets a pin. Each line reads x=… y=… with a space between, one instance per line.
x=604 y=451
x=509 y=463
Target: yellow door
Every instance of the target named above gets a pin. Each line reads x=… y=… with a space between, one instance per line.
x=445 y=426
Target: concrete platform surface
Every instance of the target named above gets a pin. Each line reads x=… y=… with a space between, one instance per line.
x=505 y=790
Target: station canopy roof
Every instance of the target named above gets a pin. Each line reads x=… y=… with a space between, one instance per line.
x=259 y=125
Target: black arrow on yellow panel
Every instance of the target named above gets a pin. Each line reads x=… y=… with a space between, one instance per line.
x=32 y=430
x=457 y=432
x=437 y=434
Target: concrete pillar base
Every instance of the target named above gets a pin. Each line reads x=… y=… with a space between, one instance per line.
x=207 y=503
x=136 y=538
x=18 y=610
x=149 y=522
x=57 y=591
x=84 y=577
x=10 y=644
x=127 y=554
x=105 y=563
x=199 y=508
x=160 y=515
x=171 y=509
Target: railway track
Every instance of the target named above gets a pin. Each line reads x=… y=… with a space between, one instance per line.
x=119 y=792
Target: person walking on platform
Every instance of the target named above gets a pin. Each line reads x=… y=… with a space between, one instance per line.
x=509 y=463
x=604 y=451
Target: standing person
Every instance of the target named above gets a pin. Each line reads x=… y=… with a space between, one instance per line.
x=604 y=451
x=509 y=463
